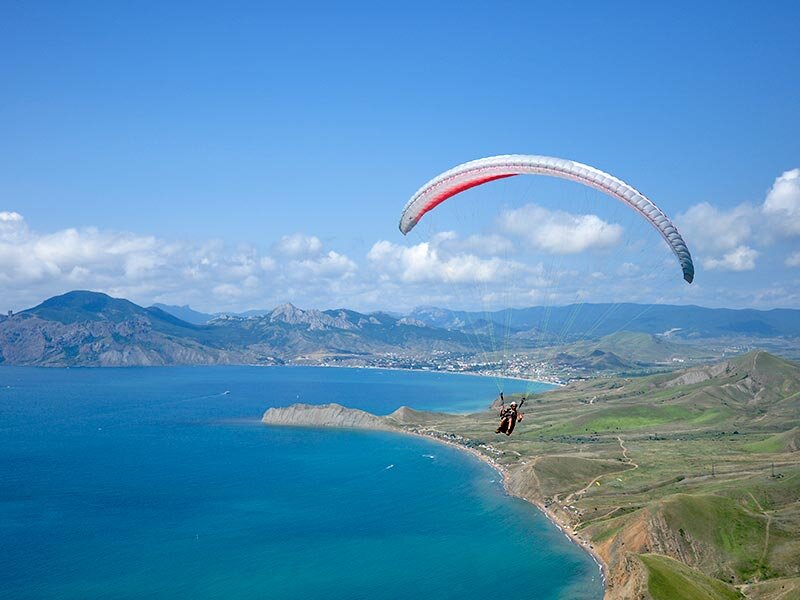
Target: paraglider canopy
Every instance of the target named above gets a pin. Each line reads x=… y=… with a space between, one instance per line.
x=485 y=170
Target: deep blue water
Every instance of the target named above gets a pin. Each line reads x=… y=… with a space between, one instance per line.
x=155 y=483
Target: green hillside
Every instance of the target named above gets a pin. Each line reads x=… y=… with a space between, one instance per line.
x=638 y=347
x=786 y=441
x=692 y=475
x=669 y=579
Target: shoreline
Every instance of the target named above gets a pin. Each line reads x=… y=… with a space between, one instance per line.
x=561 y=525
x=395 y=428
x=551 y=516
x=437 y=371
x=292 y=365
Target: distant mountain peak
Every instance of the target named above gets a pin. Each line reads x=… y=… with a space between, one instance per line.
x=85 y=305
x=80 y=297
x=286 y=306
x=185 y=313
x=286 y=312
x=313 y=319
x=411 y=321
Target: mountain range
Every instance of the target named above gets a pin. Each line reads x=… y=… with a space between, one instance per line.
x=93 y=329
x=574 y=320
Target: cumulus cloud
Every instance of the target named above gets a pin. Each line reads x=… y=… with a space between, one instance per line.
x=268 y=263
x=12 y=226
x=210 y=274
x=27 y=257
x=298 y=245
x=628 y=269
x=479 y=244
x=426 y=262
x=741 y=258
x=331 y=264
x=227 y=291
x=495 y=268
x=707 y=227
x=793 y=260
x=560 y=232
x=727 y=236
x=782 y=204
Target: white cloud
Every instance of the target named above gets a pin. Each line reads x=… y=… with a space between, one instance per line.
x=490 y=269
x=628 y=269
x=741 y=258
x=268 y=263
x=560 y=232
x=727 y=236
x=782 y=204
x=331 y=264
x=12 y=226
x=491 y=244
x=227 y=291
x=707 y=227
x=426 y=262
x=11 y=217
x=146 y=269
x=298 y=245
x=793 y=260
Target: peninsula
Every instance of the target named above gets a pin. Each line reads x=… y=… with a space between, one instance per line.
x=682 y=485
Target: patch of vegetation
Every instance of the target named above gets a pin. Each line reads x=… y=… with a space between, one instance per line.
x=608 y=533
x=722 y=524
x=777 y=589
x=623 y=419
x=786 y=441
x=669 y=579
x=554 y=472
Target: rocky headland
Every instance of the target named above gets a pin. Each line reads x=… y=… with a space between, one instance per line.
x=325 y=415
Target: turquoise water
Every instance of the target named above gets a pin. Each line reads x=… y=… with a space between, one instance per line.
x=156 y=483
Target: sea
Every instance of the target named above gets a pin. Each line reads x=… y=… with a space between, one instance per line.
x=162 y=483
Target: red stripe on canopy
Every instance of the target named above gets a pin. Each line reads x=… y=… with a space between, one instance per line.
x=450 y=192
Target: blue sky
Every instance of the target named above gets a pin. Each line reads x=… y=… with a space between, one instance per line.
x=164 y=151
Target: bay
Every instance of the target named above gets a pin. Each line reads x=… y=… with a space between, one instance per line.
x=162 y=483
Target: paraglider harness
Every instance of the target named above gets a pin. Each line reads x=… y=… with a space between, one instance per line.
x=509 y=416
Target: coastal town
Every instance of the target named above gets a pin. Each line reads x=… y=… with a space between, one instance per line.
x=557 y=369
x=514 y=366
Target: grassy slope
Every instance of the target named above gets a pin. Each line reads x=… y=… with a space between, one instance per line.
x=637 y=346
x=678 y=465
x=786 y=441
x=669 y=579
x=774 y=589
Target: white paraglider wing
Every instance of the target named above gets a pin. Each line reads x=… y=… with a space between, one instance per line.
x=484 y=170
